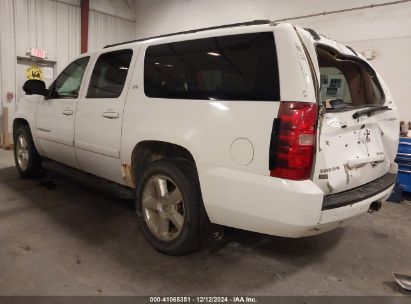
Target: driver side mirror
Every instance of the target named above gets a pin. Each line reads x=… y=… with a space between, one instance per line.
x=35 y=87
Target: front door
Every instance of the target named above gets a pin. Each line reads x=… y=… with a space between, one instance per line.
x=55 y=115
x=99 y=116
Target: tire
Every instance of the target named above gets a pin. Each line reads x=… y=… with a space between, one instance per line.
x=26 y=157
x=152 y=213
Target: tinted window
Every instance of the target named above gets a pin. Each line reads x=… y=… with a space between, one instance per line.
x=67 y=85
x=238 y=67
x=109 y=74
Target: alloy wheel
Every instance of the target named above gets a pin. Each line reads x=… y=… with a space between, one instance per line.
x=163 y=208
x=22 y=152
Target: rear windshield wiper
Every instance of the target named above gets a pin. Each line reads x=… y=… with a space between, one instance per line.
x=370 y=111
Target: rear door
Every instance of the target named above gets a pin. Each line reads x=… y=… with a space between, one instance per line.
x=99 y=115
x=358 y=128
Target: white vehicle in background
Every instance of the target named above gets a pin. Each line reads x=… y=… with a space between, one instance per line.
x=259 y=126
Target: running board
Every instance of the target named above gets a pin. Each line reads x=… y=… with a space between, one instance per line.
x=89 y=180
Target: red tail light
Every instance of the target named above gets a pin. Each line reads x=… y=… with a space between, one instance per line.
x=293 y=141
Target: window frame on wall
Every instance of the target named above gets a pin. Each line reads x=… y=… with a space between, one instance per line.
x=52 y=93
x=93 y=95
x=220 y=75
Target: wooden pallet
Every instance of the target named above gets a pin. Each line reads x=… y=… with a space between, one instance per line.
x=5 y=136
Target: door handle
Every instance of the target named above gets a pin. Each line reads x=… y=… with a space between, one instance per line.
x=68 y=112
x=111 y=115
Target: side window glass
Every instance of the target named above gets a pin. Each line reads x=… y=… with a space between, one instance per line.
x=67 y=85
x=109 y=74
x=236 y=67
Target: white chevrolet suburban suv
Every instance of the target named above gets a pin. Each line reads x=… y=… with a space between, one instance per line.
x=260 y=126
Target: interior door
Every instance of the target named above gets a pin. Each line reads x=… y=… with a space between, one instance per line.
x=100 y=114
x=55 y=115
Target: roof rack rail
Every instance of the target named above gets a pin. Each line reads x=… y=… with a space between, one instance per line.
x=248 y=23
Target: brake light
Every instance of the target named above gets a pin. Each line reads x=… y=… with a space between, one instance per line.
x=293 y=141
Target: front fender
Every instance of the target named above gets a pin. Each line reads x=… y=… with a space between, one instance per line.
x=26 y=110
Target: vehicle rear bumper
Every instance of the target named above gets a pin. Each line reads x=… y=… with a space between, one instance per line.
x=341 y=216
x=274 y=206
x=359 y=194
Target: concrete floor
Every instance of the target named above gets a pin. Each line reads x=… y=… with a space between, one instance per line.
x=61 y=238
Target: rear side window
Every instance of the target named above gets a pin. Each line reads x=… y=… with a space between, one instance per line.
x=109 y=74
x=237 y=67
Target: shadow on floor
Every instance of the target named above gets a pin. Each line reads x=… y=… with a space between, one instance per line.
x=396 y=288
x=406 y=196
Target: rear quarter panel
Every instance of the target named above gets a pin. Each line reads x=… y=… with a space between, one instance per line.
x=208 y=128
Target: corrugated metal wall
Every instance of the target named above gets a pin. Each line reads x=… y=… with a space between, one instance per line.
x=106 y=29
x=52 y=25
x=7 y=52
x=49 y=25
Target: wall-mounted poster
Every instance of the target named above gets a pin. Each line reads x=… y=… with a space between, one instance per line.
x=48 y=73
x=34 y=72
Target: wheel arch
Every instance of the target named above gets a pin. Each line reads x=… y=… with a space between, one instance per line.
x=18 y=122
x=147 y=151
x=21 y=120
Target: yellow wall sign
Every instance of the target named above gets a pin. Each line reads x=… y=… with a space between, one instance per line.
x=34 y=72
